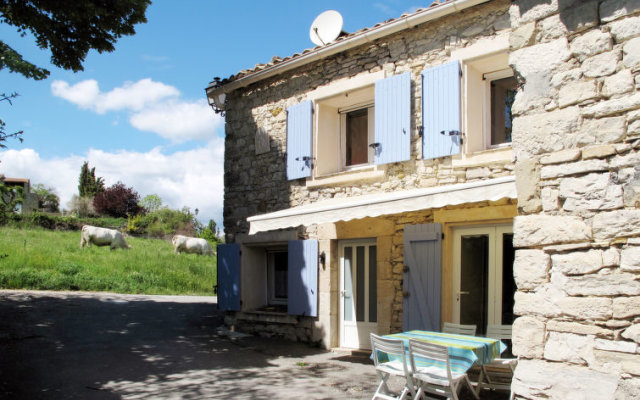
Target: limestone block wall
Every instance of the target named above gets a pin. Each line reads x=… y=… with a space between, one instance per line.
x=576 y=138
x=255 y=146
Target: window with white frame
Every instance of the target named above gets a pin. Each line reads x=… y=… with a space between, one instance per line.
x=345 y=131
x=275 y=277
x=489 y=89
x=350 y=124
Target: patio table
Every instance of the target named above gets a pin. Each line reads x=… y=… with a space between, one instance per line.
x=464 y=350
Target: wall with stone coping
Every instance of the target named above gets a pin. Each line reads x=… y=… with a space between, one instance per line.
x=255 y=181
x=576 y=138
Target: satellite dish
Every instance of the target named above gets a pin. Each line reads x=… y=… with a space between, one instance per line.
x=326 y=27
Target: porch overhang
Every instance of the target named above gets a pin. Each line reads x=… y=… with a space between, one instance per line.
x=375 y=205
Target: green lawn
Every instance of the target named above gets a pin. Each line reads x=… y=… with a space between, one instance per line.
x=53 y=260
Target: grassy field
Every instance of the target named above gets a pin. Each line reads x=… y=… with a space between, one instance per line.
x=53 y=260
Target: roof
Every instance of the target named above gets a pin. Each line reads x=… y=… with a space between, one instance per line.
x=437 y=9
x=14 y=180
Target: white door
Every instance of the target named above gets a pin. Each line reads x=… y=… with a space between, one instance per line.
x=483 y=285
x=358 y=293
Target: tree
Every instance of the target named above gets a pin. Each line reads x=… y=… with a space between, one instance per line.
x=117 y=201
x=48 y=200
x=69 y=29
x=81 y=206
x=151 y=202
x=89 y=185
x=3 y=134
x=209 y=232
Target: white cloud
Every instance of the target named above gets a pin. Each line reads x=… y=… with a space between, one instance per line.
x=152 y=106
x=192 y=178
x=131 y=96
x=178 y=121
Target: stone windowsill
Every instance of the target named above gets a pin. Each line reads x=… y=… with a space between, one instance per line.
x=372 y=173
x=500 y=155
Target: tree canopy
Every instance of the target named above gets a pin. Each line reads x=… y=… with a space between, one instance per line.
x=48 y=200
x=151 y=202
x=117 y=201
x=88 y=184
x=68 y=28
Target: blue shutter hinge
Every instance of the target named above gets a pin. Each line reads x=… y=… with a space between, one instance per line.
x=374 y=145
x=308 y=161
x=442 y=237
x=420 y=130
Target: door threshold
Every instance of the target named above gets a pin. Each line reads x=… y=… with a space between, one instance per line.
x=352 y=352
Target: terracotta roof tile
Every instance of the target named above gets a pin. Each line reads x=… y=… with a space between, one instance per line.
x=277 y=60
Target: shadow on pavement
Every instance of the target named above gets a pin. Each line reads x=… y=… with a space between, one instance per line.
x=102 y=346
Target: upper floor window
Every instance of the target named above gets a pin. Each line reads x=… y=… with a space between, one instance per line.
x=503 y=93
x=354 y=123
x=357 y=126
x=489 y=90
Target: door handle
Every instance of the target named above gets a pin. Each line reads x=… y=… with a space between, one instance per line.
x=461 y=292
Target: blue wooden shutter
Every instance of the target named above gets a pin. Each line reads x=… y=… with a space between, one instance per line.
x=393 y=119
x=229 y=277
x=423 y=278
x=441 y=110
x=299 y=128
x=302 y=281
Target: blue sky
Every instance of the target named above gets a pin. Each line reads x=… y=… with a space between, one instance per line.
x=139 y=114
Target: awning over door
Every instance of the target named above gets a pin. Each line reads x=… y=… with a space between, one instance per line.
x=374 y=205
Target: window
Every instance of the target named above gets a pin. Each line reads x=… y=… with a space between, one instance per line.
x=356 y=132
x=350 y=124
x=503 y=93
x=277 y=272
x=345 y=130
x=489 y=90
x=280 y=277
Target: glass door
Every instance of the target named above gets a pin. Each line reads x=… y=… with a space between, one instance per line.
x=358 y=293
x=483 y=285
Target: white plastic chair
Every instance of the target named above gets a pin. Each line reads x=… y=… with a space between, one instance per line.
x=459 y=329
x=432 y=371
x=497 y=374
x=390 y=359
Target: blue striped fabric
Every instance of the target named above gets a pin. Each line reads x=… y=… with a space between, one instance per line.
x=464 y=350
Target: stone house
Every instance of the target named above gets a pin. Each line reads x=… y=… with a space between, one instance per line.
x=476 y=161
x=30 y=200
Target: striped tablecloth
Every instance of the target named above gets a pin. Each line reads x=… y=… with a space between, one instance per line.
x=464 y=350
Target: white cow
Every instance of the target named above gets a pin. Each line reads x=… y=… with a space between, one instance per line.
x=102 y=237
x=191 y=245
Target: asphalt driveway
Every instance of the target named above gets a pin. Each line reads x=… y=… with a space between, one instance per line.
x=58 y=345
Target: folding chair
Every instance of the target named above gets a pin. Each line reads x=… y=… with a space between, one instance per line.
x=432 y=371
x=459 y=329
x=497 y=374
x=390 y=359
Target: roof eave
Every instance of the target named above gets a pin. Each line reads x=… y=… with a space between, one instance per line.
x=357 y=39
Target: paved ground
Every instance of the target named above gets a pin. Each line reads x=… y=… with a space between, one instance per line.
x=57 y=345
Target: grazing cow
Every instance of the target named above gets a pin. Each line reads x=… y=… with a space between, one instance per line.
x=102 y=237
x=191 y=245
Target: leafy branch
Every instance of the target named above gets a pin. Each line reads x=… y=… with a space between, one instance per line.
x=3 y=134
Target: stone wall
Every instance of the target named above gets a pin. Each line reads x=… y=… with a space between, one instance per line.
x=255 y=181
x=576 y=137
